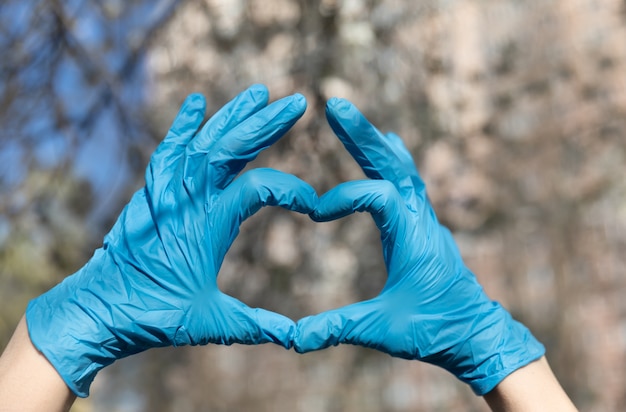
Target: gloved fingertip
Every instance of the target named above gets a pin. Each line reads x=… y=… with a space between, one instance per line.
x=299 y=100
x=306 y=206
x=283 y=334
x=306 y=345
x=288 y=108
x=195 y=102
x=316 y=217
x=302 y=198
x=338 y=104
x=258 y=92
x=299 y=341
x=311 y=199
x=188 y=119
x=317 y=332
x=276 y=328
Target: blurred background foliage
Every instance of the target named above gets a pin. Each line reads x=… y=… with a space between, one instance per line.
x=515 y=113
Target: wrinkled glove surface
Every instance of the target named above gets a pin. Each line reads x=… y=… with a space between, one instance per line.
x=431 y=307
x=154 y=281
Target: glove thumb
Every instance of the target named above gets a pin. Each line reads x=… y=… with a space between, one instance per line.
x=235 y=322
x=343 y=325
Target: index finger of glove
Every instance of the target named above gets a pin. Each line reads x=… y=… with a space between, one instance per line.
x=244 y=105
x=265 y=187
x=380 y=157
x=242 y=144
x=378 y=197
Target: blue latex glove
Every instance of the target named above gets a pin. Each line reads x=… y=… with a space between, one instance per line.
x=154 y=281
x=431 y=307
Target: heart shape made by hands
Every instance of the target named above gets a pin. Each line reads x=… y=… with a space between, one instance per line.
x=154 y=281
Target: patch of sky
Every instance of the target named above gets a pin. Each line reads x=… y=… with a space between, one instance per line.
x=14 y=17
x=50 y=147
x=24 y=106
x=135 y=94
x=74 y=7
x=101 y=159
x=54 y=118
x=52 y=150
x=73 y=92
x=13 y=166
x=89 y=28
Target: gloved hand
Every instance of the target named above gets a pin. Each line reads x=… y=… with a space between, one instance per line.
x=431 y=307
x=154 y=281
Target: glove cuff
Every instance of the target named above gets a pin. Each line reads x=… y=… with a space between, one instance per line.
x=500 y=346
x=80 y=329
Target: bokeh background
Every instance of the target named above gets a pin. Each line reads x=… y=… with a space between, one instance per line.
x=514 y=111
